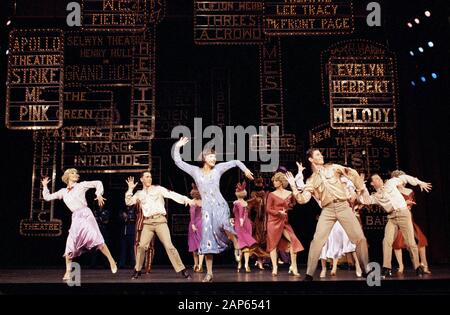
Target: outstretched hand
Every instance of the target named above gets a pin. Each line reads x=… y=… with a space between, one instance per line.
x=45 y=181
x=101 y=201
x=300 y=167
x=182 y=142
x=425 y=186
x=249 y=174
x=130 y=182
x=290 y=178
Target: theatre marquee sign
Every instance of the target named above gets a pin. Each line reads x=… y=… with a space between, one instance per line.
x=359 y=80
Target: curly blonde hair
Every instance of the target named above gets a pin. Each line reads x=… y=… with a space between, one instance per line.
x=279 y=176
x=67 y=172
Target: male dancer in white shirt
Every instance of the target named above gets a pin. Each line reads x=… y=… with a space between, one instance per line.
x=151 y=201
x=391 y=200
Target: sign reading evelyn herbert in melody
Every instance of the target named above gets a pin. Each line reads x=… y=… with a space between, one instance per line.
x=308 y=17
x=359 y=80
x=228 y=22
x=34 y=92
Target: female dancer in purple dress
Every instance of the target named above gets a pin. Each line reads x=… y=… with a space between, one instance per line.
x=216 y=227
x=195 y=229
x=84 y=233
x=243 y=225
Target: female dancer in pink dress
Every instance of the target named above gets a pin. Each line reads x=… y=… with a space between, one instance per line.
x=195 y=229
x=243 y=225
x=84 y=233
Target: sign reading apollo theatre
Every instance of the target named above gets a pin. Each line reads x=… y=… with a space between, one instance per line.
x=34 y=93
x=359 y=80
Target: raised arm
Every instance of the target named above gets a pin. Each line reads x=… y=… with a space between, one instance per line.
x=414 y=181
x=301 y=197
x=352 y=175
x=174 y=196
x=225 y=166
x=188 y=168
x=46 y=193
x=367 y=199
x=49 y=197
x=98 y=185
x=299 y=178
x=130 y=199
x=98 y=190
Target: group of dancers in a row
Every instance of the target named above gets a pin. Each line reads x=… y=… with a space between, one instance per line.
x=340 y=191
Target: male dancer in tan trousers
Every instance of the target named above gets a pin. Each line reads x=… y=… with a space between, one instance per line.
x=326 y=187
x=391 y=200
x=151 y=201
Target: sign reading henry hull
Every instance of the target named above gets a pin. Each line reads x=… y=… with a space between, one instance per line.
x=308 y=17
x=361 y=84
x=100 y=58
x=35 y=79
x=124 y=154
x=114 y=15
x=228 y=22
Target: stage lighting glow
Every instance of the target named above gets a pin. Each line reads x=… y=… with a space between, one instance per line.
x=411 y=53
x=434 y=75
x=413 y=83
x=8 y=23
x=430 y=44
x=409 y=24
x=421 y=49
x=427 y=13
x=423 y=79
x=7 y=51
x=417 y=21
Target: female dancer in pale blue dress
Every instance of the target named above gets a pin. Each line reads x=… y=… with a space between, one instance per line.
x=216 y=226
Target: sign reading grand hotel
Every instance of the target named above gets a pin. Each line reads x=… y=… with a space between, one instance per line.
x=100 y=59
x=228 y=22
x=308 y=17
x=360 y=85
x=121 y=15
x=34 y=93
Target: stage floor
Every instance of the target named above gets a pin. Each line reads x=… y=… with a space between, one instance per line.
x=164 y=280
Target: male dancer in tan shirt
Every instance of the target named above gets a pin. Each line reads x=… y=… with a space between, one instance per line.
x=151 y=200
x=392 y=201
x=328 y=189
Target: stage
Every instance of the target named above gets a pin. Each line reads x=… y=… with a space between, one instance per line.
x=164 y=281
